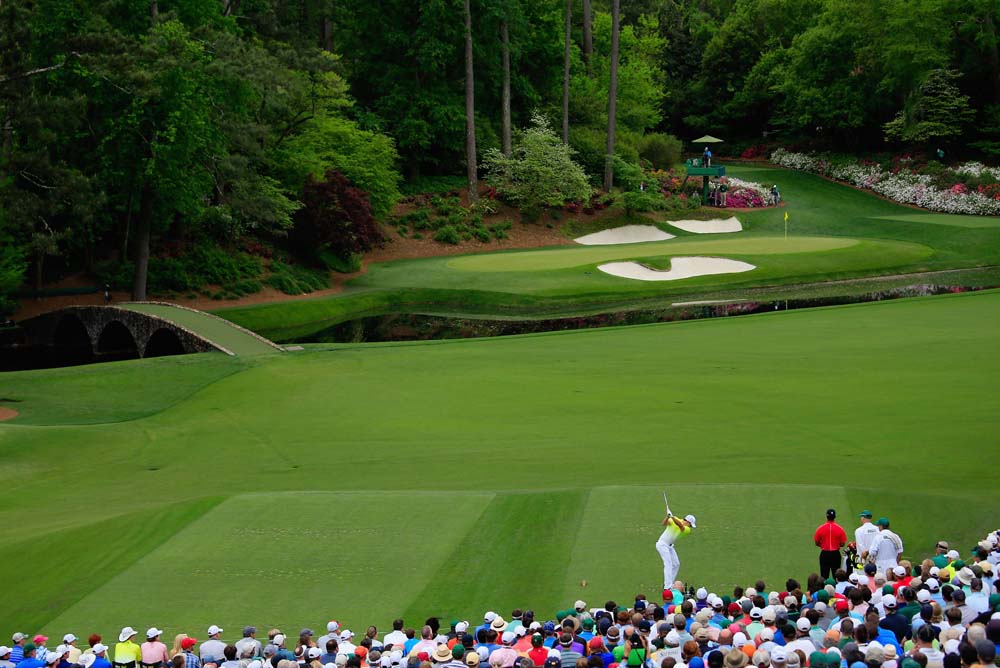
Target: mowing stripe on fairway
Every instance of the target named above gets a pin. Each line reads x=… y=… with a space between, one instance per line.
x=517 y=553
x=745 y=531
x=285 y=559
x=80 y=560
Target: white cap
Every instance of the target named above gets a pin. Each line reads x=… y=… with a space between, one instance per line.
x=690 y=518
x=507 y=637
x=18 y=637
x=53 y=657
x=152 y=632
x=99 y=647
x=756 y=613
x=820 y=607
x=87 y=660
x=750 y=592
x=341 y=659
x=935 y=571
x=214 y=630
x=68 y=638
x=278 y=640
x=489 y=616
x=314 y=653
x=923 y=596
x=778 y=654
x=899 y=571
x=673 y=638
x=933 y=584
x=346 y=634
x=953 y=554
x=534 y=626
x=740 y=639
x=332 y=626
x=4 y=650
x=702 y=593
x=766 y=635
x=803 y=624
x=862 y=579
x=889 y=601
x=554 y=652
x=462 y=627
x=256 y=663
x=126 y=633
x=768 y=614
x=580 y=605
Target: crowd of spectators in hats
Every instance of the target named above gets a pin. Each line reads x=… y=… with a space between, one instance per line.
x=941 y=613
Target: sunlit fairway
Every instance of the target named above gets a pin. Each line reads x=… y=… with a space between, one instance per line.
x=364 y=482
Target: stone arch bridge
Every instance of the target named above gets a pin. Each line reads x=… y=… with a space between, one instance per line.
x=82 y=334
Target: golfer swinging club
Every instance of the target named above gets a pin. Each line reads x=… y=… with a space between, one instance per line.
x=665 y=545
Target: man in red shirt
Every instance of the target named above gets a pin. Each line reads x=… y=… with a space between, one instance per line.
x=829 y=538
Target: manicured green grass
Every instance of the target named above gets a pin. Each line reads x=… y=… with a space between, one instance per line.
x=881 y=239
x=362 y=482
x=121 y=391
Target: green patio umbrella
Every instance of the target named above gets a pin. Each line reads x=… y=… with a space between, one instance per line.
x=707 y=139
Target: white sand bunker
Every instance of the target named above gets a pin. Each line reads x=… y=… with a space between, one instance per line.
x=716 y=226
x=628 y=234
x=680 y=267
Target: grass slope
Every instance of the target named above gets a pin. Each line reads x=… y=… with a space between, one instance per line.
x=120 y=391
x=878 y=238
x=450 y=471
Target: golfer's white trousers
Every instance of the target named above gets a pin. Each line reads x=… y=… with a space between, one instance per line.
x=671 y=562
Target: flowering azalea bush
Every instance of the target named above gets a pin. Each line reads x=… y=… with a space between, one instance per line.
x=746 y=194
x=901 y=183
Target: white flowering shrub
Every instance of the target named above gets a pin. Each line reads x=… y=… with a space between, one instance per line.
x=903 y=187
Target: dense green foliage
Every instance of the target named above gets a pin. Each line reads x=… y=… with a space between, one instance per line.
x=137 y=129
x=129 y=124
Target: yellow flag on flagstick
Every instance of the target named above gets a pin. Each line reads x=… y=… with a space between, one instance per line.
x=786 y=216
x=786 y=225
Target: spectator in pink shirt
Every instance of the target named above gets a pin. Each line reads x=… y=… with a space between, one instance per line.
x=154 y=652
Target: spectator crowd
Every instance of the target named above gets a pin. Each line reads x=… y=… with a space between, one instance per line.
x=941 y=613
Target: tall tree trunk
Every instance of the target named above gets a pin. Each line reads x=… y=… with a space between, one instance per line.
x=609 y=158
x=505 y=97
x=327 y=34
x=588 y=37
x=569 y=35
x=143 y=228
x=154 y=10
x=7 y=145
x=470 y=109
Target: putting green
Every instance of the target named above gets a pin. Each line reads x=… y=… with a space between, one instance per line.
x=446 y=477
x=562 y=258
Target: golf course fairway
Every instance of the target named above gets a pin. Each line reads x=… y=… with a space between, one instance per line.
x=365 y=482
